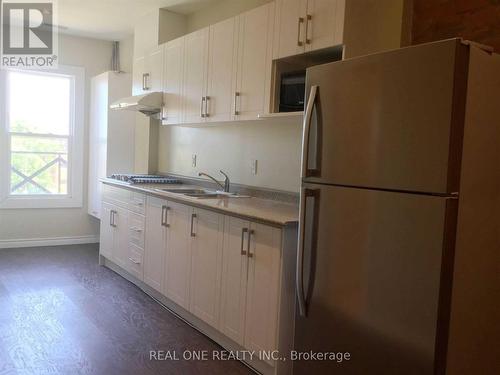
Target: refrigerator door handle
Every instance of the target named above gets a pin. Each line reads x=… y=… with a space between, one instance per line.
x=299 y=276
x=307 y=130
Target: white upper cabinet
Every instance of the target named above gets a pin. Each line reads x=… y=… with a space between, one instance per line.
x=195 y=76
x=206 y=258
x=222 y=64
x=290 y=27
x=324 y=24
x=307 y=25
x=172 y=81
x=148 y=73
x=138 y=76
x=154 y=65
x=254 y=62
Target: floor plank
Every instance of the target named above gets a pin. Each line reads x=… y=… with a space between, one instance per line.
x=62 y=313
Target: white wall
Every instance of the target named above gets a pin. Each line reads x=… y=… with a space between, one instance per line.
x=126 y=55
x=25 y=224
x=219 y=11
x=231 y=147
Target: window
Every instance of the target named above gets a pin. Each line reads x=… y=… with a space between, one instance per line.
x=42 y=138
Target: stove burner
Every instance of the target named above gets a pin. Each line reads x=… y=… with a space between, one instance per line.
x=145 y=179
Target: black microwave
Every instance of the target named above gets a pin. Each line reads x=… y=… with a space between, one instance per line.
x=292 y=91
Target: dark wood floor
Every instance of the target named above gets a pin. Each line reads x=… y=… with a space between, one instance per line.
x=62 y=313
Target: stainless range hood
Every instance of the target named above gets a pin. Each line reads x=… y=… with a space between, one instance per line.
x=148 y=104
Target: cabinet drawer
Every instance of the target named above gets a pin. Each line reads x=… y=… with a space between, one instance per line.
x=137 y=203
x=136 y=225
x=116 y=196
x=134 y=262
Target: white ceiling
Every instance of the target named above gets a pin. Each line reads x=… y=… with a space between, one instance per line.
x=114 y=19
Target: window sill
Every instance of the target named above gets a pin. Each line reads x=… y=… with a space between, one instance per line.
x=31 y=202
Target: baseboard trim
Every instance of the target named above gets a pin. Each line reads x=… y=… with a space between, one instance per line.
x=54 y=241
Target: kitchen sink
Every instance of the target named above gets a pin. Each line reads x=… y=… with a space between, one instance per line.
x=185 y=191
x=202 y=193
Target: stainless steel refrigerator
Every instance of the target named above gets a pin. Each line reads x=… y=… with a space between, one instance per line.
x=381 y=163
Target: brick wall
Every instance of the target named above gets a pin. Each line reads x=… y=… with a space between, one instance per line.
x=476 y=20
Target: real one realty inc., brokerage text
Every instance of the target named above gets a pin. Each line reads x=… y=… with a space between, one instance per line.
x=246 y=355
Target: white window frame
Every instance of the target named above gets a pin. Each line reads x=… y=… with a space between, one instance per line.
x=74 y=196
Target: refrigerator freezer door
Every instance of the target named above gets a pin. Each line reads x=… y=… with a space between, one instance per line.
x=371 y=280
x=389 y=120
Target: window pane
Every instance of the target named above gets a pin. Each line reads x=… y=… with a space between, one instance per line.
x=39 y=165
x=39 y=103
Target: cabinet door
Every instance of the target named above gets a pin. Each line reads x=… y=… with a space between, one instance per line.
x=195 y=74
x=154 y=69
x=290 y=27
x=206 y=253
x=121 y=237
x=322 y=21
x=222 y=57
x=156 y=240
x=107 y=229
x=255 y=60
x=138 y=71
x=172 y=82
x=263 y=286
x=98 y=134
x=234 y=279
x=178 y=262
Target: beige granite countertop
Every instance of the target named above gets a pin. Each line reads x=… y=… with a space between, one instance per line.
x=263 y=210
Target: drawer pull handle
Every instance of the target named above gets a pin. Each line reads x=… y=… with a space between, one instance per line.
x=164 y=216
x=250 y=234
x=136 y=229
x=193 y=216
x=243 y=231
x=135 y=261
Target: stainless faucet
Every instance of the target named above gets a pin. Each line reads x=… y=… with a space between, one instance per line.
x=227 y=182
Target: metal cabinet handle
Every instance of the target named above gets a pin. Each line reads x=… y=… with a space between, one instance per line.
x=202 y=112
x=111 y=218
x=136 y=229
x=113 y=223
x=164 y=216
x=135 y=261
x=250 y=234
x=308 y=21
x=301 y=21
x=307 y=130
x=299 y=275
x=193 y=216
x=145 y=81
x=243 y=231
x=207 y=98
x=236 y=96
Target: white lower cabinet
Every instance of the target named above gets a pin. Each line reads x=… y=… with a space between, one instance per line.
x=264 y=262
x=122 y=230
x=156 y=242
x=120 y=236
x=178 y=262
x=234 y=279
x=107 y=231
x=206 y=255
x=250 y=284
x=223 y=270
